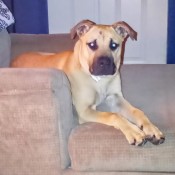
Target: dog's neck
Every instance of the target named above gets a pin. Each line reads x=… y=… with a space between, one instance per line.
x=98 y=78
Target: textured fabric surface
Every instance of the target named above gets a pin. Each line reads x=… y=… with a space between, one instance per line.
x=33 y=135
x=151 y=88
x=41 y=42
x=5 y=48
x=95 y=147
x=6 y=17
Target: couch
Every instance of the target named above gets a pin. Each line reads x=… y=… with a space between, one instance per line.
x=39 y=132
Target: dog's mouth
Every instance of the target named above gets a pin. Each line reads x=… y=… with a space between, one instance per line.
x=103 y=65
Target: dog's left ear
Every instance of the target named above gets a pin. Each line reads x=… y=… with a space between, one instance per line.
x=124 y=30
x=81 y=28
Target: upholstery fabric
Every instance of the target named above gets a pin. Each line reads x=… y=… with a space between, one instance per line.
x=5 y=48
x=27 y=43
x=95 y=147
x=6 y=17
x=32 y=129
x=151 y=88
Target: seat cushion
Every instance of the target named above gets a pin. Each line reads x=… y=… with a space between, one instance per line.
x=103 y=148
x=98 y=147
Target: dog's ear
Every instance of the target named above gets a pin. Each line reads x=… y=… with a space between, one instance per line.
x=81 y=28
x=124 y=30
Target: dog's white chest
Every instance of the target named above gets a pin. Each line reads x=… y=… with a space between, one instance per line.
x=101 y=89
x=96 y=78
x=105 y=86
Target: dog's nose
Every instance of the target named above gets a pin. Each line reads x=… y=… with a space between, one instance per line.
x=103 y=65
x=104 y=61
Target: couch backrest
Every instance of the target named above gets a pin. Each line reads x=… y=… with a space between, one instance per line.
x=40 y=42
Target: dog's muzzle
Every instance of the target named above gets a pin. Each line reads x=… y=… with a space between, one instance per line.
x=103 y=65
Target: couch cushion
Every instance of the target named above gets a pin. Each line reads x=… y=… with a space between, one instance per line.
x=98 y=147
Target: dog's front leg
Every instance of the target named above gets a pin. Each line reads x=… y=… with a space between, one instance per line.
x=133 y=134
x=137 y=116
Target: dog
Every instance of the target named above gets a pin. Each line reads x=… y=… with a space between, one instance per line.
x=93 y=71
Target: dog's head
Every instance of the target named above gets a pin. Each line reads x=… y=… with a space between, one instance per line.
x=99 y=46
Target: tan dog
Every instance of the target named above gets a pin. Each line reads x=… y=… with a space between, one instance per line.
x=93 y=71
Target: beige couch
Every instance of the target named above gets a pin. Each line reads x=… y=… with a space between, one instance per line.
x=39 y=132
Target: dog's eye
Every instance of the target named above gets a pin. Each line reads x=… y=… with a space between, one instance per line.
x=113 y=46
x=93 y=45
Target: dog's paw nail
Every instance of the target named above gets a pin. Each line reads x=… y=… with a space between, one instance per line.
x=139 y=144
x=155 y=141
x=134 y=142
x=162 y=139
x=142 y=143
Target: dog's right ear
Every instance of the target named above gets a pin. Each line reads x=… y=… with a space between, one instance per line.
x=81 y=28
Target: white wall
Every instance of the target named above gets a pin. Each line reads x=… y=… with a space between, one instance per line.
x=147 y=17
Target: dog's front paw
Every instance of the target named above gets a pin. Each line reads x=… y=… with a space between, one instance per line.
x=134 y=135
x=153 y=134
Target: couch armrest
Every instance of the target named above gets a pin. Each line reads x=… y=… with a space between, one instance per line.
x=5 y=48
x=35 y=121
